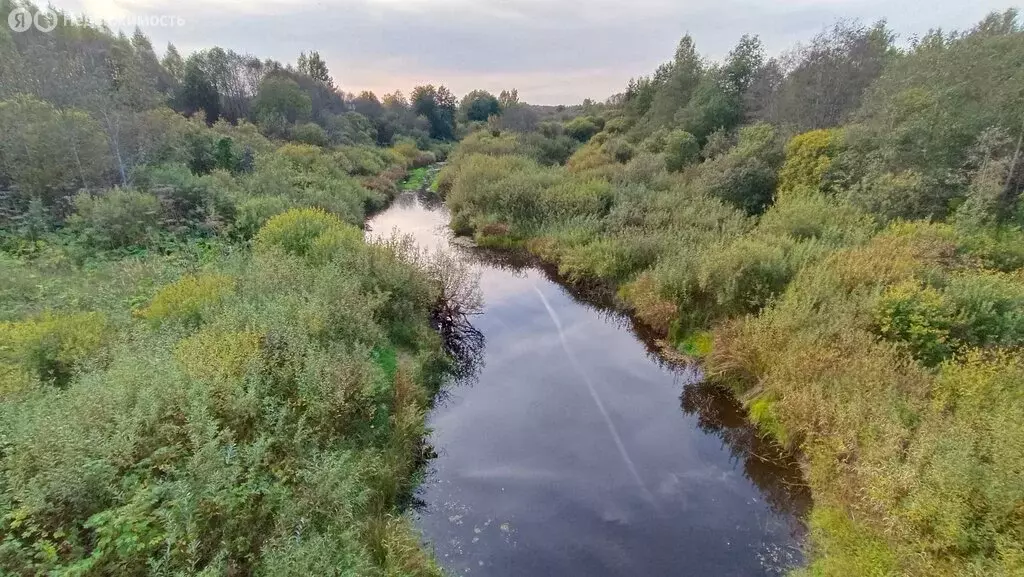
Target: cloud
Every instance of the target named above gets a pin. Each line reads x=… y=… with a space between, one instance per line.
x=553 y=52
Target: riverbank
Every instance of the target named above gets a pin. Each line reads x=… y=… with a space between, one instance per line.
x=818 y=318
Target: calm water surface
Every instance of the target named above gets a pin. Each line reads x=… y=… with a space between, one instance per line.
x=576 y=451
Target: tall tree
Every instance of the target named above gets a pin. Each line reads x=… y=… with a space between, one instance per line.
x=198 y=91
x=438 y=106
x=174 y=64
x=315 y=67
x=478 y=105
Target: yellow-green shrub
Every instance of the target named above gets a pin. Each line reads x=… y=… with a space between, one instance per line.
x=50 y=346
x=915 y=314
x=808 y=159
x=217 y=354
x=297 y=230
x=186 y=299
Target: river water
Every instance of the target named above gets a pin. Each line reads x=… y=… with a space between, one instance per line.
x=574 y=450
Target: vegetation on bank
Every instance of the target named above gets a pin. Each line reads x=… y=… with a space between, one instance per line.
x=840 y=236
x=204 y=369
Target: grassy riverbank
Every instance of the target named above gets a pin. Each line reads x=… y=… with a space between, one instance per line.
x=175 y=401
x=860 y=293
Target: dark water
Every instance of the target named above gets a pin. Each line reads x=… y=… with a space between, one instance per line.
x=576 y=451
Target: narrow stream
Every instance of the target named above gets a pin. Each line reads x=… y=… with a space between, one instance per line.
x=576 y=451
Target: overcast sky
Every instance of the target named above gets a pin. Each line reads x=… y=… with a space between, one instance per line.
x=553 y=51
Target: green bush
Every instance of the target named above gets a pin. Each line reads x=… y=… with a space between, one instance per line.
x=918 y=316
x=252 y=213
x=310 y=133
x=119 y=218
x=681 y=150
x=582 y=128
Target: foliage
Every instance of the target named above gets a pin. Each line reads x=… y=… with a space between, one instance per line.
x=582 y=128
x=858 y=283
x=479 y=105
x=50 y=347
x=120 y=218
x=681 y=150
x=187 y=299
x=809 y=157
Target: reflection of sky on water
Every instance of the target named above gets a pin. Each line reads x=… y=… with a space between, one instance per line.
x=529 y=479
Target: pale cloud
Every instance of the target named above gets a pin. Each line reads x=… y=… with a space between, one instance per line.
x=553 y=51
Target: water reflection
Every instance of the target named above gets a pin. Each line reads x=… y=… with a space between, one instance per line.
x=774 y=471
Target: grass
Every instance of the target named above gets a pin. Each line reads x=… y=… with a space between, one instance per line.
x=416 y=180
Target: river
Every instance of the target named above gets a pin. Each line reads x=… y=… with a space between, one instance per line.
x=575 y=450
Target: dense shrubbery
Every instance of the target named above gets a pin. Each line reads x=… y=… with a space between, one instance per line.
x=172 y=401
x=264 y=420
x=885 y=349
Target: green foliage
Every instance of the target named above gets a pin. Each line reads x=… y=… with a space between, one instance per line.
x=438 y=106
x=50 y=153
x=301 y=231
x=917 y=316
x=188 y=299
x=49 y=347
x=310 y=133
x=119 y=218
x=698 y=344
x=746 y=175
x=582 y=128
x=280 y=100
x=808 y=159
x=479 y=105
x=681 y=150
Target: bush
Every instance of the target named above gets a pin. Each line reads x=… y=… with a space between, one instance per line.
x=252 y=213
x=188 y=299
x=803 y=214
x=809 y=157
x=747 y=174
x=918 y=316
x=582 y=128
x=49 y=347
x=299 y=230
x=217 y=355
x=119 y=218
x=310 y=133
x=681 y=150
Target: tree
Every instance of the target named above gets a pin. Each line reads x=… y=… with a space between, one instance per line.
x=508 y=98
x=174 y=64
x=837 y=67
x=368 y=105
x=281 y=98
x=198 y=92
x=50 y=154
x=581 y=128
x=315 y=67
x=438 y=106
x=675 y=86
x=478 y=105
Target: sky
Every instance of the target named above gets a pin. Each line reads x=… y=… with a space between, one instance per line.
x=552 y=51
